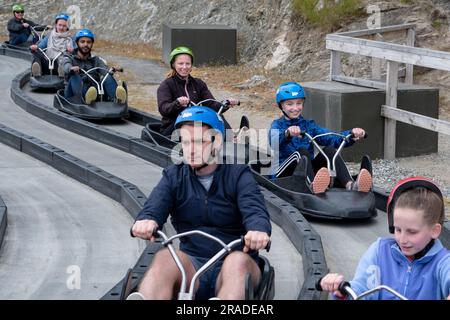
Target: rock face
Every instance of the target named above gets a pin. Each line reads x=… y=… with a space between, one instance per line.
x=270 y=34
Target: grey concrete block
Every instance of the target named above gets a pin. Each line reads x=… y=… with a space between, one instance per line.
x=132 y=199
x=211 y=44
x=39 y=149
x=104 y=182
x=146 y=151
x=71 y=166
x=10 y=138
x=3 y=220
x=340 y=106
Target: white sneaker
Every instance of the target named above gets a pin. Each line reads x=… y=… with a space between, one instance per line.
x=135 y=296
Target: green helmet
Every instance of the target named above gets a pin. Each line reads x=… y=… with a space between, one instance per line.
x=181 y=50
x=18 y=7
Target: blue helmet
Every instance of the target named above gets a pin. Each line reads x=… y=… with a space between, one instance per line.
x=61 y=16
x=201 y=114
x=290 y=90
x=84 y=33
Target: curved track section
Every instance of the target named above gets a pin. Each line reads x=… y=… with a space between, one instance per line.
x=101 y=155
x=59 y=232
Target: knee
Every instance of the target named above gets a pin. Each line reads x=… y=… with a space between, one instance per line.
x=237 y=263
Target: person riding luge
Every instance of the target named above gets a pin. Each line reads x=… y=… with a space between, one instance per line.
x=180 y=89
x=19 y=28
x=79 y=84
x=202 y=194
x=414 y=261
x=59 y=40
x=291 y=148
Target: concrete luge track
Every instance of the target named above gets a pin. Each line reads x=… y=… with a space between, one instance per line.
x=57 y=227
x=31 y=125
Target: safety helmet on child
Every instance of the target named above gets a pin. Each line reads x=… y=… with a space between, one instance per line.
x=289 y=90
x=84 y=33
x=61 y=16
x=18 y=7
x=201 y=114
x=403 y=185
x=180 y=50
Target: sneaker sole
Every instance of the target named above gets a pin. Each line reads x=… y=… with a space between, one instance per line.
x=321 y=181
x=36 y=70
x=91 y=95
x=121 y=94
x=364 y=181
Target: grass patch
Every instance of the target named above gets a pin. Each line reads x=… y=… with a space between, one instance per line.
x=328 y=14
x=130 y=50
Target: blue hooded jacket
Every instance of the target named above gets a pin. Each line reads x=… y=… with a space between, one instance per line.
x=232 y=206
x=427 y=278
x=288 y=146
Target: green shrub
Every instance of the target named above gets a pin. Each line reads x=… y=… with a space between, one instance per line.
x=332 y=15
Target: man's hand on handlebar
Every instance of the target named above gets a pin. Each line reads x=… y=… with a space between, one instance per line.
x=331 y=283
x=145 y=229
x=75 y=69
x=25 y=25
x=358 y=134
x=33 y=47
x=255 y=240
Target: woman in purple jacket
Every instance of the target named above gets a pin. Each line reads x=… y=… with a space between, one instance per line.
x=179 y=89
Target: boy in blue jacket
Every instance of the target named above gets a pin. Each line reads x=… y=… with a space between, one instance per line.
x=201 y=194
x=290 y=148
x=414 y=263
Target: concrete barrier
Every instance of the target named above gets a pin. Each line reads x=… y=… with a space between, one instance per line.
x=3 y=221
x=339 y=106
x=211 y=44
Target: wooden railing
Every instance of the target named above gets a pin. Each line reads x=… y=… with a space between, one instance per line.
x=394 y=54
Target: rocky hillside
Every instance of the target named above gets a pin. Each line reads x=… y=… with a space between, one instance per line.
x=271 y=34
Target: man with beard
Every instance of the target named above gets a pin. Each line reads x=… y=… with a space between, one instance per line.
x=83 y=86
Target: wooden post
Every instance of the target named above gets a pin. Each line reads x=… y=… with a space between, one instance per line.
x=410 y=41
x=391 y=101
x=376 y=62
x=335 y=64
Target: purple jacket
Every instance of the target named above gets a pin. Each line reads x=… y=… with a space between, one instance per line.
x=174 y=87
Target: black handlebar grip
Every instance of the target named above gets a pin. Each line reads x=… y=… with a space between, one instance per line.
x=342 y=286
x=366 y=135
x=268 y=245
x=119 y=70
x=238 y=102
x=131 y=233
x=318 y=285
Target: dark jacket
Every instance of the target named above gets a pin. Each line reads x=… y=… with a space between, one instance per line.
x=71 y=59
x=174 y=87
x=232 y=206
x=287 y=146
x=15 y=27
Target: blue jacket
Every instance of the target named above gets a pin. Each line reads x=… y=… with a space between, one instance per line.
x=232 y=206
x=427 y=278
x=288 y=146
